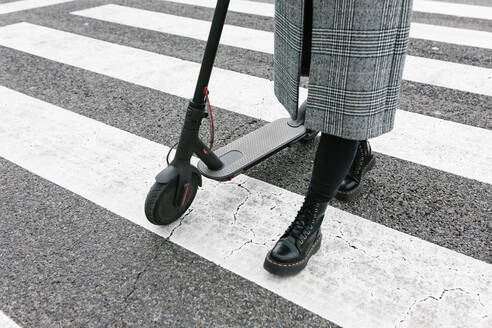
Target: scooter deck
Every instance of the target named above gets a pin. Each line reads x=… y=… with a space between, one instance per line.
x=252 y=148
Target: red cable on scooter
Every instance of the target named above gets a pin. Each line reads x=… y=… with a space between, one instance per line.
x=212 y=136
x=205 y=91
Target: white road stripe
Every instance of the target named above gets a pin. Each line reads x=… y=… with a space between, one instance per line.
x=171 y=75
x=456 y=148
x=255 y=39
x=417 y=69
x=240 y=6
x=188 y=27
x=459 y=36
x=453 y=9
x=6 y=322
x=366 y=274
x=450 y=75
x=11 y=7
x=435 y=7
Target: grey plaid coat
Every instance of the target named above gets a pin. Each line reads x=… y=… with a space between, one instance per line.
x=356 y=55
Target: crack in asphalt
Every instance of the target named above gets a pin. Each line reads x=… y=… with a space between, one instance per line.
x=342 y=237
x=243 y=202
x=149 y=263
x=238 y=249
x=250 y=241
x=431 y=297
x=179 y=225
x=139 y=274
x=244 y=244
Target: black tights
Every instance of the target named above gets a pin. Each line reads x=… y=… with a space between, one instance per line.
x=333 y=160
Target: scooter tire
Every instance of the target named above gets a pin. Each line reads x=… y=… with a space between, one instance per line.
x=160 y=208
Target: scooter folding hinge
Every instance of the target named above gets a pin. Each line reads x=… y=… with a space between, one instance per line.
x=301 y=115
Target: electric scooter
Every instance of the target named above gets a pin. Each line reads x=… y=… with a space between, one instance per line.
x=175 y=187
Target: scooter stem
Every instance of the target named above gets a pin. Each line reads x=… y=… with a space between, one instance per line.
x=189 y=141
x=211 y=50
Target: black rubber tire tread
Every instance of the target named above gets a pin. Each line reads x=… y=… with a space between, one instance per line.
x=154 y=197
x=151 y=200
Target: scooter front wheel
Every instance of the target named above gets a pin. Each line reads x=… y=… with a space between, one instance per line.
x=160 y=207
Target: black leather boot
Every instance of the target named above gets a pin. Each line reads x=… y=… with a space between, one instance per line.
x=364 y=160
x=299 y=242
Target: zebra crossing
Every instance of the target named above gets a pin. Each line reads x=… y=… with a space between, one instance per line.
x=176 y=77
x=368 y=274
x=423 y=70
x=11 y=7
x=257 y=40
x=427 y=6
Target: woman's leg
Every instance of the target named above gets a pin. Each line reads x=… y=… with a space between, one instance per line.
x=333 y=160
x=302 y=238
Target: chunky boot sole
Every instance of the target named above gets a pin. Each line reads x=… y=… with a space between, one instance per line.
x=287 y=269
x=347 y=196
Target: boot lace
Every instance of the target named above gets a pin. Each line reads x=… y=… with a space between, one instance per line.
x=356 y=170
x=303 y=224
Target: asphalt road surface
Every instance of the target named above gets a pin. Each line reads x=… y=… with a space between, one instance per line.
x=93 y=94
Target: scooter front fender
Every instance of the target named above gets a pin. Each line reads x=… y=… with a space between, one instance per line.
x=171 y=172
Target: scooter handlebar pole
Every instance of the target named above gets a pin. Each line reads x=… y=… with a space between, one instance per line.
x=210 y=50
